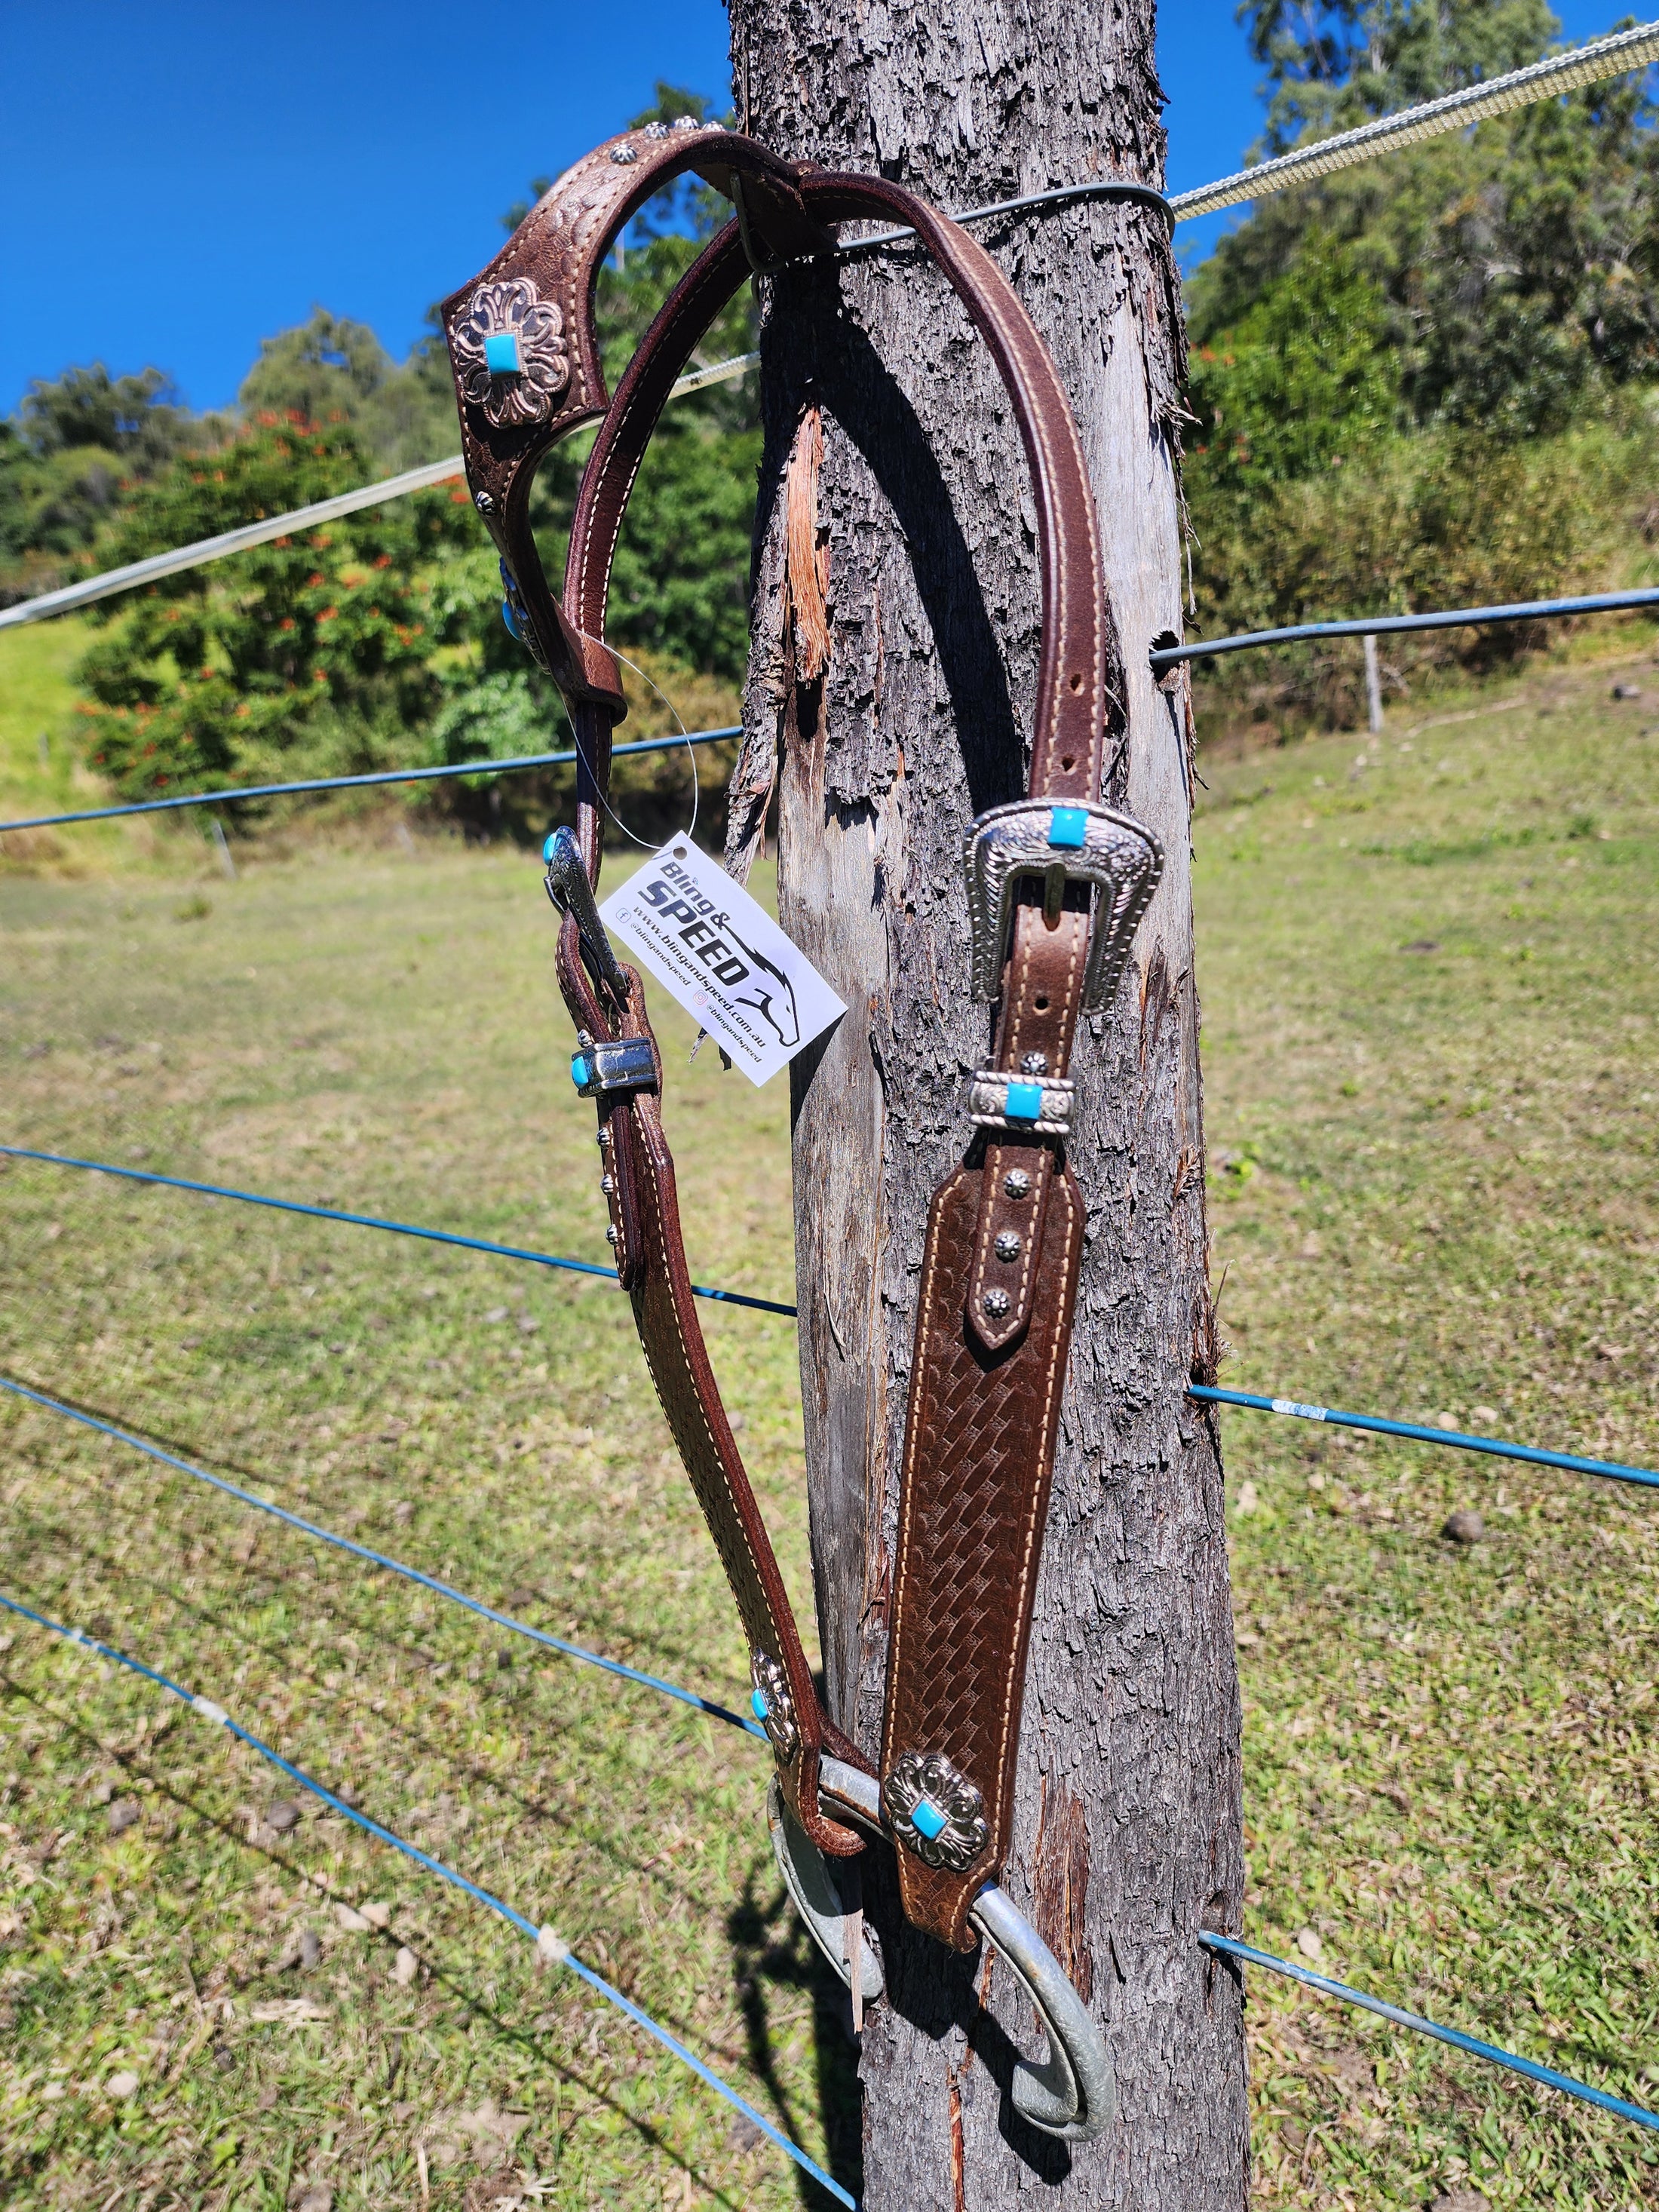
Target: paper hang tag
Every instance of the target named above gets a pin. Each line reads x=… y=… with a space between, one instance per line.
x=723 y=958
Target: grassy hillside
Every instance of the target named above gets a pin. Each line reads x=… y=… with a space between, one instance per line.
x=1430 y=1007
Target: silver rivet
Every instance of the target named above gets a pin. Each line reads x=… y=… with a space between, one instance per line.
x=585 y=1039
x=610 y=1235
x=484 y=503
x=996 y=1303
x=1018 y=1184
x=603 y=1140
x=1034 y=1063
x=1007 y=1245
x=623 y=154
x=607 y=1184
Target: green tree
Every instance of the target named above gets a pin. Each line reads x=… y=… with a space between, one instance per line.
x=1331 y=64
x=75 y=445
x=313 y=652
x=331 y=369
x=1519 y=261
x=1307 y=380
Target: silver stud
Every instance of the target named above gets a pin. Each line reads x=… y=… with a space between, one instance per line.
x=607 y=1184
x=483 y=501
x=1034 y=1063
x=603 y=1140
x=996 y=1303
x=623 y=154
x=585 y=1040
x=610 y=1235
x=1018 y=1184
x=1007 y=1245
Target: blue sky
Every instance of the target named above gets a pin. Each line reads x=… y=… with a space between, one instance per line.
x=179 y=179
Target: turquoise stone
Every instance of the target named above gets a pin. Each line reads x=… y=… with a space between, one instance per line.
x=927 y=1819
x=1068 y=825
x=581 y=1069
x=547 y=850
x=501 y=353
x=1024 y=1102
x=758 y=1705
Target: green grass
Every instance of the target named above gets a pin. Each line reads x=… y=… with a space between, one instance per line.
x=1432 y=1178
x=1431 y=1013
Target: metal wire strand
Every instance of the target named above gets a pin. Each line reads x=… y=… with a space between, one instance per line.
x=231 y=792
x=1591 y=64
x=1417 y=1432
x=173 y=563
x=380 y=1559
x=1516 y=610
x=1492 y=2053
x=1498 y=95
x=549 y=1945
x=1612 y=1470
x=373 y=1221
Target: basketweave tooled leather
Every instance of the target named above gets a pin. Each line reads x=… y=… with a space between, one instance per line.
x=986 y=1389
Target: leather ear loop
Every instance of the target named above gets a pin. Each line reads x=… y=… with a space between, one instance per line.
x=560 y=244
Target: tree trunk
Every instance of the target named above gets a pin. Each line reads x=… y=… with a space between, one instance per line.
x=894 y=495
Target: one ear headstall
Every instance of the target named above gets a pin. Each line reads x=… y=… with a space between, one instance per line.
x=1055 y=885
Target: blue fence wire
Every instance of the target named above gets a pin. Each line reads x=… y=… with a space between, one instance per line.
x=381 y=1559
x=230 y=794
x=1415 y=1432
x=549 y=1946
x=1492 y=2053
x=373 y=1221
x=1598 y=603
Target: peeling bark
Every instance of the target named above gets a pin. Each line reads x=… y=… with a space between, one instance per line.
x=894 y=500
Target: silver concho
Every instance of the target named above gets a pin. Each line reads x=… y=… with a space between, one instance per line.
x=926 y=1781
x=774 y=1707
x=513 y=305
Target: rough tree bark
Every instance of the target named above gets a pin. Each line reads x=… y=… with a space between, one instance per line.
x=896 y=629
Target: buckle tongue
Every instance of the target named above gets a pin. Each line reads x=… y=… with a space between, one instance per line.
x=1063 y=845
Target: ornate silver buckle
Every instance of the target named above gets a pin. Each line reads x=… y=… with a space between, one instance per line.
x=1063 y=845
x=997 y=1100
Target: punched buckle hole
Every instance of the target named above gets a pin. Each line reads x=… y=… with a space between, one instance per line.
x=1042 y=1004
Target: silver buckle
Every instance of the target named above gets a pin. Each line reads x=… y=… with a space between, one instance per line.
x=622 y=1064
x=997 y=1100
x=1064 y=845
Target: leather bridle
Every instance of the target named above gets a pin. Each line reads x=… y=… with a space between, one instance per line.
x=1055 y=884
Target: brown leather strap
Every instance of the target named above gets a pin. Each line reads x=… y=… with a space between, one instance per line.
x=1004 y=1236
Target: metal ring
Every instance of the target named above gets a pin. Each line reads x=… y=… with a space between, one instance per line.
x=1072 y=2092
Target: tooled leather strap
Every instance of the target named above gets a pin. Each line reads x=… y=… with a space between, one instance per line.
x=1005 y=1229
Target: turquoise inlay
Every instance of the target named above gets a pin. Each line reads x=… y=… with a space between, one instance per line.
x=581 y=1069
x=1024 y=1102
x=512 y=621
x=1068 y=825
x=758 y=1705
x=927 y=1819
x=501 y=353
x=547 y=850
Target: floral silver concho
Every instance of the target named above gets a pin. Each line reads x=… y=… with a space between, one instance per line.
x=917 y=1774
x=772 y=1687
x=543 y=372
